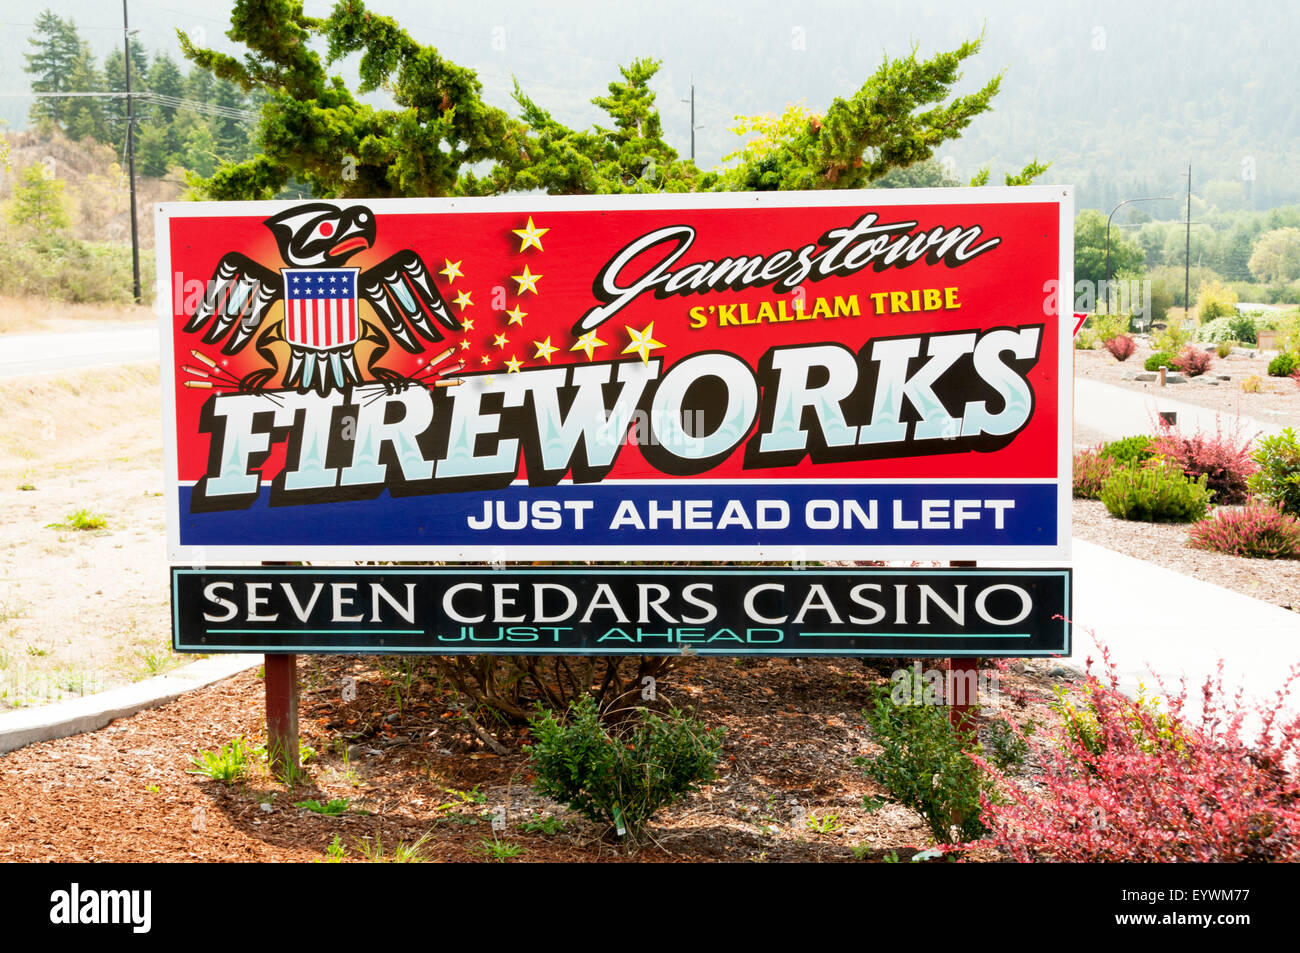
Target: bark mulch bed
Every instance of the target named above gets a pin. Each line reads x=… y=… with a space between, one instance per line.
x=400 y=753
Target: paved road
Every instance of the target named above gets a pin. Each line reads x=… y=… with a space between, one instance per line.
x=23 y=354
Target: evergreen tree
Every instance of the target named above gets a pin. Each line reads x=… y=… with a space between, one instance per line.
x=85 y=115
x=38 y=202
x=115 y=82
x=314 y=129
x=1126 y=256
x=56 y=52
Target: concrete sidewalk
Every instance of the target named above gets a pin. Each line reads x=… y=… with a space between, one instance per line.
x=1119 y=412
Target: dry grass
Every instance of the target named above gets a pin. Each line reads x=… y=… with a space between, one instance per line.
x=28 y=315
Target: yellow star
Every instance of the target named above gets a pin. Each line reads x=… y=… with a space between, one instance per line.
x=467 y=324
x=485 y=360
x=530 y=235
x=489 y=380
x=588 y=342
x=527 y=281
x=516 y=316
x=463 y=300
x=464 y=344
x=501 y=340
x=452 y=271
x=514 y=364
x=643 y=342
x=544 y=349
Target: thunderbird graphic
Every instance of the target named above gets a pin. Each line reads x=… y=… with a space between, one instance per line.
x=322 y=321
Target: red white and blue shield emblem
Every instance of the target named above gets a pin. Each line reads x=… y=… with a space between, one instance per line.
x=320 y=307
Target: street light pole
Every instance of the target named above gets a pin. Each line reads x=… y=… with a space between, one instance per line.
x=1154 y=198
x=130 y=157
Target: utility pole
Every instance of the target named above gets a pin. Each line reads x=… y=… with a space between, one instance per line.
x=692 y=102
x=130 y=157
x=1187 y=264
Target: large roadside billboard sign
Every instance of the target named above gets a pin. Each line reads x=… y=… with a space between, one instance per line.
x=760 y=376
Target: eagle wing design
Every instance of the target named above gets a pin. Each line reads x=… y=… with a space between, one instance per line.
x=237 y=299
x=406 y=298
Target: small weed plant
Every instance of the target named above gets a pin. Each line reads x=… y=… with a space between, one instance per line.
x=81 y=519
x=228 y=764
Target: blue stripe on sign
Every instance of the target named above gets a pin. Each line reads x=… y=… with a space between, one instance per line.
x=443 y=519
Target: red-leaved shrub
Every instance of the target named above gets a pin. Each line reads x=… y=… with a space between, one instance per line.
x=1159 y=787
x=1091 y=467
x=1224 y=459
x=1255 y=531
x=1121 y=346
x=1193 y=362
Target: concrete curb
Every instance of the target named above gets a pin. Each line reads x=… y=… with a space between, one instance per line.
x=27 y=726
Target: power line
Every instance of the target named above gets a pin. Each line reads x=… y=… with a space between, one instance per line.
x=171 y=102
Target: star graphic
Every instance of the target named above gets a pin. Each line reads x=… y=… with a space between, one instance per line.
x=464 y=344
x=514 y=364
x=467 y=324
x=527 y=281
x=516 y=316
x=588 y=342
x=643 y=342
x=501 y=340
x=452 y=271
x=544 y=349
x=530 y=235
x=489 y=380
x=463 y=300
x=485 y=360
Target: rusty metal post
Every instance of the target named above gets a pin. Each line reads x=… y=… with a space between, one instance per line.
x=960 y=669
x=282 y=713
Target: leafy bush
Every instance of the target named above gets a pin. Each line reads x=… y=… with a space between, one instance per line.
x=1239 y=327
x=1223 y=349
x=1173 y=338
x=63 y=268
x=923 y=765
x=1091 y=467
x=1148 y=791
x=1085 y=340
x=1215 y=300
x=621 y=776
x=1252 y=384
x=1155 y=493
x=1131 y=450
x=1121 y=347
x=1256 y=532
x=1158 y=360
x=1109 y=326
x=1082 y=716
x=1223 y=460
x=1193 y=362
x=1277 y=481
x=1284 y=365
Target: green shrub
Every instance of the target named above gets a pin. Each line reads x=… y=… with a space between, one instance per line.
x=1158 y=360
x=621 y=776
x=1155 y=494
x=1173 y=338
x=924 y=767
x=1284 y=365
x=1215 y=300
x=1085 y=340
x=1130 y=450
x=1277 y=480
x=1240 y=327
x=63 y=268
x=1107 y=326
